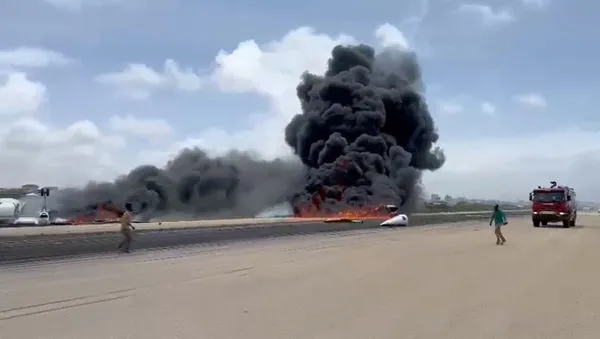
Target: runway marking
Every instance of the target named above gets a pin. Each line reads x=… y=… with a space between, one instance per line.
x=17 y=312
x=63 y=301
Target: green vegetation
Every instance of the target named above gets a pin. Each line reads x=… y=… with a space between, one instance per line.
x=463 y=206
x=15 y=193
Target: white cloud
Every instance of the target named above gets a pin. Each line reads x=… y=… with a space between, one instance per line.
x=77 y=5
x=488 y=108
x=390 y=36
x=53 y=155
x=487 y=14
x=450 y=108
x=137 y=80
x=274 y=69
x=271 y=70
x=20 y=95
x=32 y=57
x=66 y=4
x=536 y=4
x=507 y=167
x=32 y=151
x=534 y=100
x=151 y=129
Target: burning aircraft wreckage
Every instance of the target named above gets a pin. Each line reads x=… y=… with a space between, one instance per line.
x=362 y=140
x=364 y=135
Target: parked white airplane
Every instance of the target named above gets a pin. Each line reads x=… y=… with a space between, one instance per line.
x=33 y=212
x=9 y=210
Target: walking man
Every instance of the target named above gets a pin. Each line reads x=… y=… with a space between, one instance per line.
x=126 y=229
x=499 y=220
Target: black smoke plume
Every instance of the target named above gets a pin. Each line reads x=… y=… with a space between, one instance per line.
x=191 y=185
x=365 y=133
x=364 y=136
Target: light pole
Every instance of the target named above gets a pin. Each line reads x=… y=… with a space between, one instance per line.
x=44 y=192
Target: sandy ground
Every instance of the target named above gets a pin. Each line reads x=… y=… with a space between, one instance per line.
x=443 y=282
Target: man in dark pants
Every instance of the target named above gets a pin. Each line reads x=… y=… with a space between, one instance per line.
x=126 y=229
x=499 y=220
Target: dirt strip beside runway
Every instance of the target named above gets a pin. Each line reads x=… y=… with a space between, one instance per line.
x=418 y=282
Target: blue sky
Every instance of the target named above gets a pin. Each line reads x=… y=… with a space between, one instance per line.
x=512 y=84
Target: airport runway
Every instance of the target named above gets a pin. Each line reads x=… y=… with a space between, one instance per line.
x=440 y=282
x=65 y=245
x=34 y=243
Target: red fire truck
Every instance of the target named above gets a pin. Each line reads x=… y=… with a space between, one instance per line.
x=553 y=204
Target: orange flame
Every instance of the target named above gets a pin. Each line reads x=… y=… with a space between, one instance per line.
x=313 y=209
x=101 y=216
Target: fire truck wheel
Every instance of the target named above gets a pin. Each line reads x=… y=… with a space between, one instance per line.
x=536 y=223
x=572 y=222
x=566 y=224
x=544 y=223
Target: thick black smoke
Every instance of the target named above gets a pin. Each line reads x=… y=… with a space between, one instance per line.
x=191 y=185
x=365 y=133
x=364 y=136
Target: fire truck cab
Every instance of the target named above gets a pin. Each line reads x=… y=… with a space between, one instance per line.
x=553 y=204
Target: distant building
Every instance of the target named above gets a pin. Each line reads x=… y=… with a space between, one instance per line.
x=50 y=188
x=30 y=187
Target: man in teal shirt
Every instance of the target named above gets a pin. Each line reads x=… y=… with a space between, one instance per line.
x=499 y=219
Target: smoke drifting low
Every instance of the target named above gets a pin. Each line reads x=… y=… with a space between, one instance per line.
x=365 y=133
x=363 y=138
x=193 y=184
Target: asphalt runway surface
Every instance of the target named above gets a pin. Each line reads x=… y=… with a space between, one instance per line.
x=22 y=244
x=40 y=247
x=449 y=281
